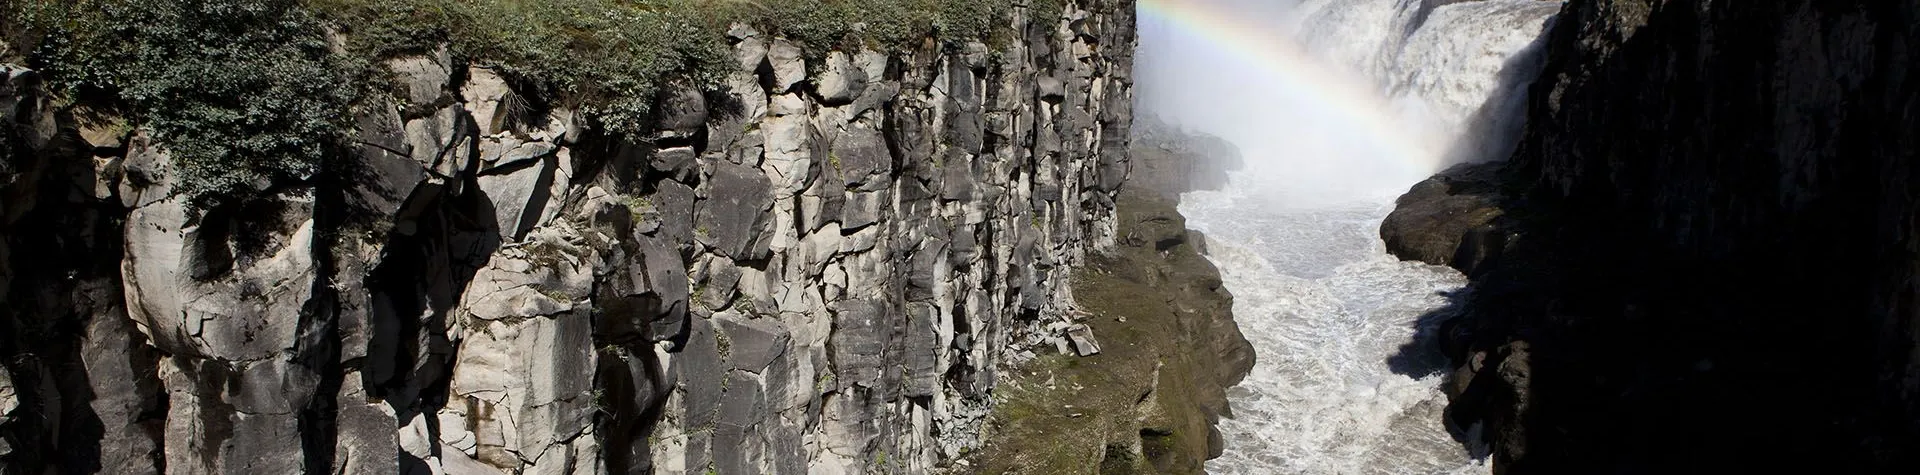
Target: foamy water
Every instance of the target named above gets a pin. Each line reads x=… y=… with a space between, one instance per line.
x=1324 y=305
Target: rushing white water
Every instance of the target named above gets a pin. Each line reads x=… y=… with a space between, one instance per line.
x=1324 y=305
x=1325 y=308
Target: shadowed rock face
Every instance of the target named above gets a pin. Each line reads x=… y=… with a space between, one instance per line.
x=1707 y=256
x=819 y=268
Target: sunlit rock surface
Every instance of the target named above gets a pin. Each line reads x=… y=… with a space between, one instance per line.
x=821 y=268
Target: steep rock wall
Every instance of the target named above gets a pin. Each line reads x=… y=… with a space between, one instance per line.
x=819 y=269
x=1702 y=255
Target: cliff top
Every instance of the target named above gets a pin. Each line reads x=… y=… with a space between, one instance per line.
x=252 y=92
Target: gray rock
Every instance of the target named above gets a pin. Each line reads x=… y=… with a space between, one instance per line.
x=736 y=447
x=444 y=142
x=860 y=241
x=957 y=176
x=677 y=163
x=366 y=440
x=519 y=154
x=198 y=292
x=965 y=125
x=700 y=370
x=869 y=256
x=666 y=278
x=384 y=175
x=9 y=397
x=822 y=201
x=683 y=112
x=841 y=81
x=862 y=209
x=857 y=341
x=1081 y=336
x=752 y=343
x=860 y=156
x=148 y=170
x=919 y=355
x=520 y=196
x=541 y=277
x=488 y=100
x=674 y=204
x=722 y=281
x=424 y=77
x=789 y=65
x=751 y=51
x=1051 y=89
x=792 y=151
x=123 y=373
x=734 y=217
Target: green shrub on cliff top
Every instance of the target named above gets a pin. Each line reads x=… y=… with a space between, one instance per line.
x=246 y=93
x=243 y=92
x=608 y=58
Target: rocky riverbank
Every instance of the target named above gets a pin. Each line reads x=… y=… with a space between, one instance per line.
x=1701 y=258
x=1142 y=382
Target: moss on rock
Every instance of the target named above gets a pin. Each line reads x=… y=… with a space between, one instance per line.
x=1147 y=403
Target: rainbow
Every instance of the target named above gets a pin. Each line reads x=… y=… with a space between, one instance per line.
x=1351 y=98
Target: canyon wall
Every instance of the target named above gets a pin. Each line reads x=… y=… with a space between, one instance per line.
x=821 y=268
x=1702 y=256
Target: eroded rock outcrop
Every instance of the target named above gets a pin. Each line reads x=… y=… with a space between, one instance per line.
x=821 y=268
x=1136 y=380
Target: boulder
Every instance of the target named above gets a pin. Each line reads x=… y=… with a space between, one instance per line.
x=1081 y=337
x=1449 y=219
x=666 y=279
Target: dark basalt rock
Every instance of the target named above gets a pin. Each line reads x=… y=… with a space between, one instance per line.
x=733 y=220
x=1716 y=206
x=1450 y=219
x=752 y=343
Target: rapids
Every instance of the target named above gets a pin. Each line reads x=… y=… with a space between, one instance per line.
x=1341 y=387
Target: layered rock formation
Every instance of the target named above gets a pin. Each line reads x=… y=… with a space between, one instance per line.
x=821 y=268
x=1701 y=257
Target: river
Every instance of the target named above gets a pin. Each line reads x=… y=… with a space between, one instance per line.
x=1340 y=387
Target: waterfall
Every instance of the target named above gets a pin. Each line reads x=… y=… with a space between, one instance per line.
x=1341 y=386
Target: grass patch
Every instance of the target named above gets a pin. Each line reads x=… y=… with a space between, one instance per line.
x=1138 y=406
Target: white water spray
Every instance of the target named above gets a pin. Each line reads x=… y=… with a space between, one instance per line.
x=1295 y=234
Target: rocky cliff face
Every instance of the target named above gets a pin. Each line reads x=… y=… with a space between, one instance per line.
x=1141 y=382
x=1702 y=256
x=821 y=268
